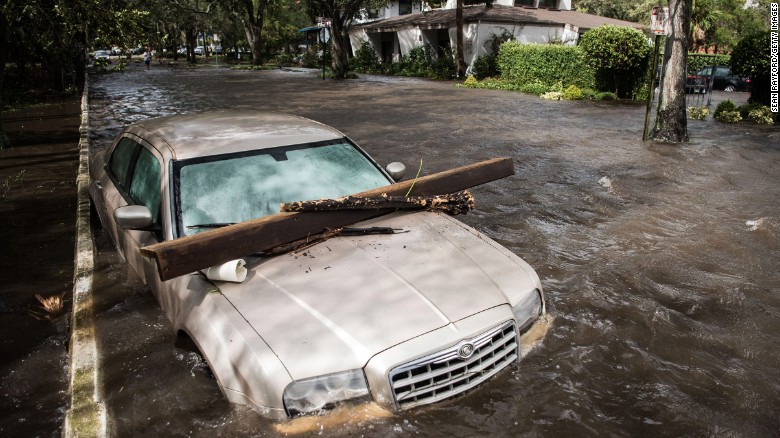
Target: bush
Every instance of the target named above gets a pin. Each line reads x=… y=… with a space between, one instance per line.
x=365 y=60
x=284 y=60
x=546 y=64
x=744 y=110
x=751 y=58
x=486 y=66
x=552 y=95
x=619 y=56
x=606 y=95
x=725 y=106
x=573 y=93
x=762 y=115
x=698 y=112
x=470 y=82
x=535 y=87
x=728 y=116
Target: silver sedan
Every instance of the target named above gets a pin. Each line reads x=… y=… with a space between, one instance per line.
x=403 y=319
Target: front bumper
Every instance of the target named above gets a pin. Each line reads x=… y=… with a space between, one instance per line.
x=428 y=368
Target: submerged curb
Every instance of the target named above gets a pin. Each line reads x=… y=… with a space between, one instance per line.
x=86 y=416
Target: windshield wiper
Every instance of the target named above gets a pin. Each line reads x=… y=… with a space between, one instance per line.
x=214 y=225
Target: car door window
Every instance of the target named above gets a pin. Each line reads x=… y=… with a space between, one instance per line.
x=722 y=72
x=121 y=160
x=145 y=184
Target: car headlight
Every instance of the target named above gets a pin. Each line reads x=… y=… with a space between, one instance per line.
x=323 y=392
x=528 y=309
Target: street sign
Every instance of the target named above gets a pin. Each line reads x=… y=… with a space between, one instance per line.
x=659 y=21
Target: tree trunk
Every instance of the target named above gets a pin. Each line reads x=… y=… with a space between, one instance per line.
x=339 y=42
x=192 y=41
x=460 y=63
x=671 y=123
x=253 y=27
x=3 y=51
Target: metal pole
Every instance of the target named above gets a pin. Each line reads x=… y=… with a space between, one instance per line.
x=652 y=87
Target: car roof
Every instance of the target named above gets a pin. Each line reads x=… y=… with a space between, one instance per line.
x=222 y=132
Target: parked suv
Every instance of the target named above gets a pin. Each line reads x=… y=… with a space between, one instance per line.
x=724 y=80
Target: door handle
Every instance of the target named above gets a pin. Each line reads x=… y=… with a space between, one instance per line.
x=98 y=185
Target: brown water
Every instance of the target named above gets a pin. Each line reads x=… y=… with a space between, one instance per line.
x=37 y=231
x=660 y=262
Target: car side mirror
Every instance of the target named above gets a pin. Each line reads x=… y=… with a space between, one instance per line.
x=133 y=217
x=396 y=170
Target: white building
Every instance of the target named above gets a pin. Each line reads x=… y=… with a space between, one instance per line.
x=529 y=21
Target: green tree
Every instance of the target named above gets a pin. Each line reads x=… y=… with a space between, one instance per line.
x=619 y=55
x=341 y=13
x=751 y=58
x=636 y=11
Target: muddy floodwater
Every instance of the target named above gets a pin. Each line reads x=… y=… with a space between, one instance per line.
x=659 y=262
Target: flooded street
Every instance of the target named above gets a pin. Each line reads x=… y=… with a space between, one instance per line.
x=659 y=262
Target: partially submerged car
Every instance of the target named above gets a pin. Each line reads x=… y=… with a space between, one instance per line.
x=414 y=317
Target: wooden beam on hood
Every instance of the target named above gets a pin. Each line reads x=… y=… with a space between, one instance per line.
x=199 y=251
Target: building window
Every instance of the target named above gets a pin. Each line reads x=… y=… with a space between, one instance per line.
x=524 y=2
x=404 y=7
x=547 y=3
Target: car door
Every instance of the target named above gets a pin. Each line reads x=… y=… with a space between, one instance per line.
x=145 y=188
x=133 y=176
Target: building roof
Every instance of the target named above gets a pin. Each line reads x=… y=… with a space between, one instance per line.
x=445 y=18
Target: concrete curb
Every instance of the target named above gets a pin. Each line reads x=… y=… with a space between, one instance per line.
x=86 y=416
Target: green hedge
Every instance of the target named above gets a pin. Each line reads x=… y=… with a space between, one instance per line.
x=698 y=61
x=547 y=64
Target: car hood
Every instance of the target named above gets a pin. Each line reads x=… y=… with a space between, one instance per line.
x=331 y=307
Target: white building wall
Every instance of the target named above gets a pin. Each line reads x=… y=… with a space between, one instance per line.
x=409 y=39
x=562 y=4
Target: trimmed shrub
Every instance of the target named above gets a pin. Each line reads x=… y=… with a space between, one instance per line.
x=470 y=82
x=698 y=61
x=546 y=64
x=728 y=116
x=552 y=95
x=365 y=60
x=535 y=87
x=744 y=110
x=619 y=56
x=698 y=112
x=762 y=115
x=606 y=95
x=486 y=66
x=573 y=92
x=725 y=106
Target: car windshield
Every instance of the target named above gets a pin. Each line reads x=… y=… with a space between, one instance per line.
x=226 y=189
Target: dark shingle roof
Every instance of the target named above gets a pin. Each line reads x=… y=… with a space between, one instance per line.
x=445 y=18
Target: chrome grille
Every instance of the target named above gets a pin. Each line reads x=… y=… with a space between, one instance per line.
x=445 y=374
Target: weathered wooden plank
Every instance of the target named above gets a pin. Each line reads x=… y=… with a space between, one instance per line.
x=190 y=253
x=453 y=203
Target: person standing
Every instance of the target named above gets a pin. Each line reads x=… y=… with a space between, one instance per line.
x=147 y=58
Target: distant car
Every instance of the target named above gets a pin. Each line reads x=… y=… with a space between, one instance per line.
x=198 y=50
x=217 y=50
x=695 y=84
x=103 y=55
x=404 y=319
x=724 y=80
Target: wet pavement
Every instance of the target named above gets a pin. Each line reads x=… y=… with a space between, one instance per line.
x=659 y=261
x=37 y=231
